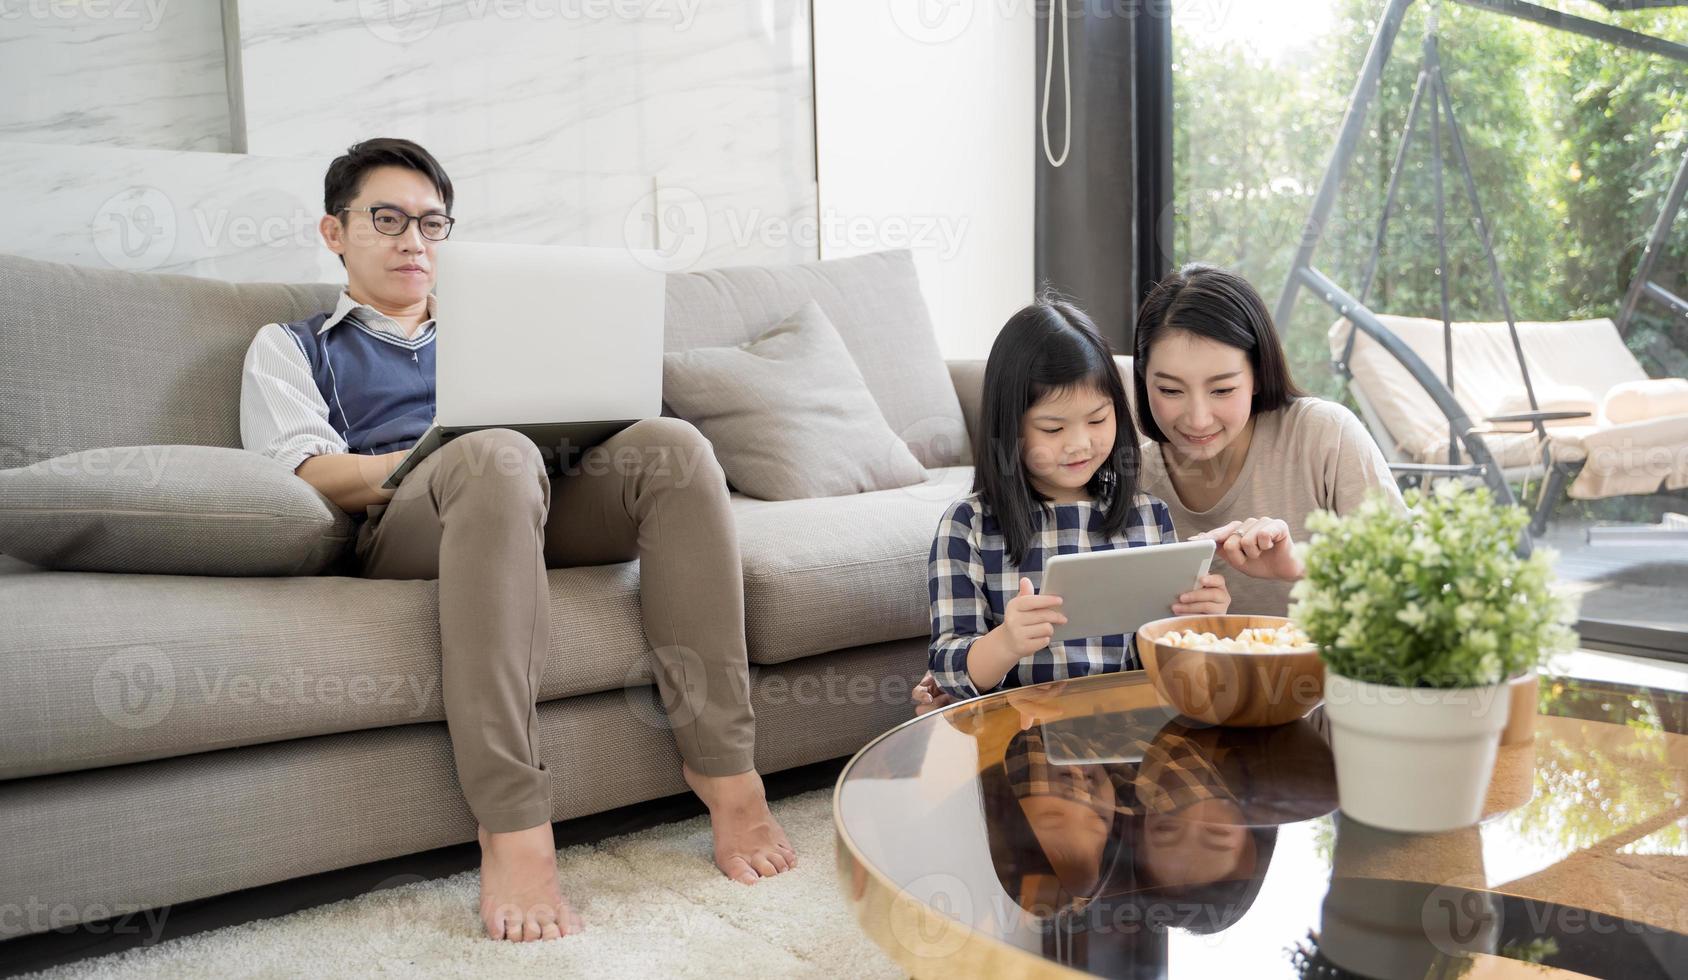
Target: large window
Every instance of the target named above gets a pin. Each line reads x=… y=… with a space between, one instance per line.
x=1572 y=143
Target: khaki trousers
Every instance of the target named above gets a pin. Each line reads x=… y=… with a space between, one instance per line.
x=482 y=516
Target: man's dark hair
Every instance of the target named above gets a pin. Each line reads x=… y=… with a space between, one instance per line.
x=345 y=175
x=1220 y=305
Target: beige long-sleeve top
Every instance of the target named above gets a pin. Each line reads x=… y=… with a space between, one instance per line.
x=1310 y=455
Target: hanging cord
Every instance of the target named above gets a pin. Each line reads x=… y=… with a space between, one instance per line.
x=1058 y=7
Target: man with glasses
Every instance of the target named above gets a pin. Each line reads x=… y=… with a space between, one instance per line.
x=340 y=397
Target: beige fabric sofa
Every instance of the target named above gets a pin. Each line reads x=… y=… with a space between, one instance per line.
x=271 y=728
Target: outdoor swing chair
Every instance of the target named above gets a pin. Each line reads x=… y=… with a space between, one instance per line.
x=1564 y=402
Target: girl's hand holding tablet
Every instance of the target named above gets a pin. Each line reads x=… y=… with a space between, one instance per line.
x=1029 y=620
x=1210 y=597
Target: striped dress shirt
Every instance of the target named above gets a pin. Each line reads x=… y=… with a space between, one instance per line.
x=283 y=415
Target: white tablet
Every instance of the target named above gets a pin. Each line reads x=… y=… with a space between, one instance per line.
x=1108 y=592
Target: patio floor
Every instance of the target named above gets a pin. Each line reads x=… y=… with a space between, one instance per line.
x=1645 y=584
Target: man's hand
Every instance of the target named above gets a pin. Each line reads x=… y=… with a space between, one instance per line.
x=351 y=480
x=1259 y=547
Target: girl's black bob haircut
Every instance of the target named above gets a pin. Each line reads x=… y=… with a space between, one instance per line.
x=1050 y=347
x=1218 y=305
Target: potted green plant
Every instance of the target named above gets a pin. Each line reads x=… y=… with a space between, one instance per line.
x=1422 y=618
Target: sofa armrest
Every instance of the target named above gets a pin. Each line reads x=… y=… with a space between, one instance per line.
x=968 y=376
x=1123 y=362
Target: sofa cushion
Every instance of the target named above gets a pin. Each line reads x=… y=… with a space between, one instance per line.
x=876 y=304
x=96 y=357
x=153 y=836
x=103 y=669
x=184 y=510
x=835 y=572
x=788 y=413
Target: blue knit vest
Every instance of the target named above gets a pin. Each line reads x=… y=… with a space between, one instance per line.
x=379 y=388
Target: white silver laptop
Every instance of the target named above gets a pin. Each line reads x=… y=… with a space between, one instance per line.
x=561 y=343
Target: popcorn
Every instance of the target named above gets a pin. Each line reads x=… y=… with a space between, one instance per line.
x=1284 y=639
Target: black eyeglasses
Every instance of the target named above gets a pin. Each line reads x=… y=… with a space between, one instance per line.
x=393 y=222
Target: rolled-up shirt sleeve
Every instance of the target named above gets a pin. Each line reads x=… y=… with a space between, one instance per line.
x=960 y=609
x=282 y=414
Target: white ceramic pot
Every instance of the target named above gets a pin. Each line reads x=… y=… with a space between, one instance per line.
x=1412 y=759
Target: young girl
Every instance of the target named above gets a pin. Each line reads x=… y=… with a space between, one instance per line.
x=1056 y=461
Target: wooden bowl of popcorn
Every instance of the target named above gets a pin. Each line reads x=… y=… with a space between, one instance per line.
x=1245 y=671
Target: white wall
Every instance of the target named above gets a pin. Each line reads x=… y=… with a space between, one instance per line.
x=685 y=125
x=925 y=119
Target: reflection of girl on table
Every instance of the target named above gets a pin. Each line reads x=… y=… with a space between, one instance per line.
x=1056 y=473
x=1166 y=834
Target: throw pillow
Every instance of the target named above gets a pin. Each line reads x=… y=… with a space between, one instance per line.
x=182 y=510
x=875 y=303
x=789 y=413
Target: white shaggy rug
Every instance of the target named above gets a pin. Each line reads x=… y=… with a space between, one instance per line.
x=653 y=904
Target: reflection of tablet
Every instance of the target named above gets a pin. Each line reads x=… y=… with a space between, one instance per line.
x=1108 y=592
x=1109 y=739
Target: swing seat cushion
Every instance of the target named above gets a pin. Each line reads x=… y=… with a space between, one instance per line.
x=1550 y=397
x=1636 y=401
x=1642 y=455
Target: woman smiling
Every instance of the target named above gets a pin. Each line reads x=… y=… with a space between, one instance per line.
x=1234 y=448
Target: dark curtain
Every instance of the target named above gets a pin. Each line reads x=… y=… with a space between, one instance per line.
x=1096 y=227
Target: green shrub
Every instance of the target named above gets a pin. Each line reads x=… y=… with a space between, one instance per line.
x=1436 y=597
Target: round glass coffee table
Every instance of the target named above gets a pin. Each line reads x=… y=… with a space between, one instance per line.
x=1081 y=828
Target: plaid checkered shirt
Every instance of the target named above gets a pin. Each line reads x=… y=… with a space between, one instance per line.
x=970 y=581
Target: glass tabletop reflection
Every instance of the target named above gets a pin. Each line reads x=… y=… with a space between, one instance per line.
x=1083 y=826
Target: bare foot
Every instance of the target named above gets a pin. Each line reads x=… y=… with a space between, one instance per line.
x=749 y=844
x=520 y=898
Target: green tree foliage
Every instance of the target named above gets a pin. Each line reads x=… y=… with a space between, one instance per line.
x=1621 y=130
x=1572 y=143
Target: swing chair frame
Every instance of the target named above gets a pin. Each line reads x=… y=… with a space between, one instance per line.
x=1431 y=94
